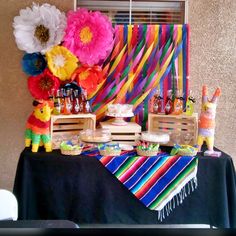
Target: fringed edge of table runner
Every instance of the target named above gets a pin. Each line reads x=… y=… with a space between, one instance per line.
x=177 y=199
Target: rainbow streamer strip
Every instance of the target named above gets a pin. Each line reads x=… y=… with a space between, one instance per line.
x=144 y=58
x=159 y=182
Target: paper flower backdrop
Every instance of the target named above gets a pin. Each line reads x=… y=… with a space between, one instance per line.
x=38 y=28
x=62 y=49
x=89 y=35
x=33 y=63
x=61 y=62
x=88 y=77
x=41 y=86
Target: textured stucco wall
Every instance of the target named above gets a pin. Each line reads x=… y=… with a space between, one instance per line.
x=15 y=100
x=212 y=62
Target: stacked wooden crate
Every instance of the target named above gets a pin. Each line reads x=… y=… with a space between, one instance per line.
x=67 y=127
x=182 y=128
x=127 y=134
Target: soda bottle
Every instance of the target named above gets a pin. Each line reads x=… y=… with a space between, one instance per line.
x=178 y=104
x=67 y=104
x=83 y=100
x=76 y=105
x=169 y=103
x=190 y=104
x=62 y=100
x=57 y=104
x=157 y=103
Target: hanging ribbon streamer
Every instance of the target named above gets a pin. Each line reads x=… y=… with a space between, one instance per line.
x=180 y=64
x=184 y=63
x=188 y=60
x=144 y=58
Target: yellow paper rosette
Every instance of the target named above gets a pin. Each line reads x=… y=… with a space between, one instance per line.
x=61 y=62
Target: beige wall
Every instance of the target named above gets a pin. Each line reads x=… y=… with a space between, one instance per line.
x=212 y=62
x=15 y=100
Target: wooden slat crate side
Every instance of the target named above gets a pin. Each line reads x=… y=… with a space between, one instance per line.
x=65 y=127
x=182 y=116
x=90 y=124
x=69 y=120
x=68 y=127
x=174 y=124
x=80 y=123
x=125 y=137
x=130 y=127
x=127 y=134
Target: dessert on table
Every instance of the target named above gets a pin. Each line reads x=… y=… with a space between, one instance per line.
x=109 y=149
x=119 y=112
x=155 y=137
x=71 y=148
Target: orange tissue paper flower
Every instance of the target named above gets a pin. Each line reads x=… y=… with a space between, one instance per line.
x=88 y=77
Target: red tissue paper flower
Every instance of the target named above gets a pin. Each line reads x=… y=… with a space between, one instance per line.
x=88 y=77
x=43 y=85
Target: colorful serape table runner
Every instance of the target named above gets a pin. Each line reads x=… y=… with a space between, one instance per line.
x=159 y=182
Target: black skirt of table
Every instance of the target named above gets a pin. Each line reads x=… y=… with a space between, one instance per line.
x=80 y=189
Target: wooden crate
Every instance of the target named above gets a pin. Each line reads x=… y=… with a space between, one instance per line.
x=127 y=134
x=180 y=127
x=67 y=127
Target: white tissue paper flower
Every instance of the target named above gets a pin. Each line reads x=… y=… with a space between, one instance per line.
x=39 y=28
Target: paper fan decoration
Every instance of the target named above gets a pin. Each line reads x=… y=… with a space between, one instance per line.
x=33 y=63
x=88 y=77
x=42 y=85
x=38 y=28
x=61 y=62
x=89 y=35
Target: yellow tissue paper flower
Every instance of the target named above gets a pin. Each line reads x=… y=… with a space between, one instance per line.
x=61 y=62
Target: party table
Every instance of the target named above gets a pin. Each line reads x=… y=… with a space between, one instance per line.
x=51 y=186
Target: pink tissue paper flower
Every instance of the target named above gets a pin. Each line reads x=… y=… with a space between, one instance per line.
x=89 y=35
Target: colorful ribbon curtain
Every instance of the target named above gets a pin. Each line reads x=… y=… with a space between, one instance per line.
x=145 y=58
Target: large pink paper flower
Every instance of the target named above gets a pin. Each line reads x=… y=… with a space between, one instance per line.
x=89 y=35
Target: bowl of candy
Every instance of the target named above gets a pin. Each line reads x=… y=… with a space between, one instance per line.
x=184 y=150
x=70 y=148
x=147 y=149
x=109 y=149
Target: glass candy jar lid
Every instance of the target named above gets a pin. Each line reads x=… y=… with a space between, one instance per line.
x=95 y=136
x=155 y=137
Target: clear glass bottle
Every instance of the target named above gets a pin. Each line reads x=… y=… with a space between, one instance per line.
x=88 y=108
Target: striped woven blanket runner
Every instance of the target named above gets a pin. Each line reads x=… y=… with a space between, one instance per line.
x=159 y=182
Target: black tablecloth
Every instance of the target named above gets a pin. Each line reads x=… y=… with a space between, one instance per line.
x=80 y=189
